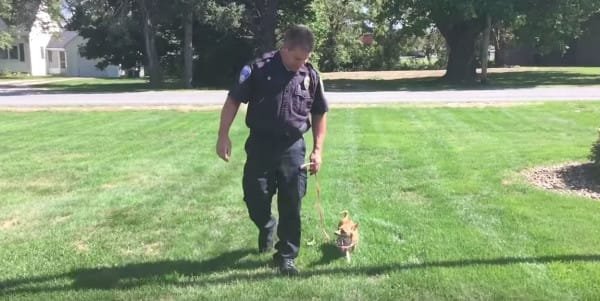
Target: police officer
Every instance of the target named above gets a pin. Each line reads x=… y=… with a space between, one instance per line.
x=285 y=98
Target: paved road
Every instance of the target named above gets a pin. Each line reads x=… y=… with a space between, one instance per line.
x=26 y=97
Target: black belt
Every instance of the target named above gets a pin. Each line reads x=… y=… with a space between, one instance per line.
x=286 y=135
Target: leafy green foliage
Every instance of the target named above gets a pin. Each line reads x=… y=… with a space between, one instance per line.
x=5 y=39
x=551 y=25
x=340 y=24
x=337 y=30
x=220 y=56
x=5 y=8
x=294 y=12
x=19 y=15
x=113 y=32
x=546 y=23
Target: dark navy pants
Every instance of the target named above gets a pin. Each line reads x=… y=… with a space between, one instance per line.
x=273 y=166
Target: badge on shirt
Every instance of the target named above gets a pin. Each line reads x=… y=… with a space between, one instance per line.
x=245 y=74
x=306 y=82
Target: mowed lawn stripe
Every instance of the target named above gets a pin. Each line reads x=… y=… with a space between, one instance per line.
x=136 y=205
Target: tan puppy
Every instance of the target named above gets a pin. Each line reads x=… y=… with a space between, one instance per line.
x=347 y=235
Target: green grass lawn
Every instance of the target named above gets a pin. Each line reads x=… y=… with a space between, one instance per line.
x=136 y=205
x=103 y=85
x=542 y=76
x=10 y=78
x=98 y=85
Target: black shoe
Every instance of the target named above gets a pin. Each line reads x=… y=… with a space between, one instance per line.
x=277 y=259
x=266 y=235
x=287 y=267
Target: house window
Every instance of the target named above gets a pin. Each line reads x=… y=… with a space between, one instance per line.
x=3 y=54
x=63 y=60
x=42 y=51
x=22 y=52
x=14 y=53
x=49 y=56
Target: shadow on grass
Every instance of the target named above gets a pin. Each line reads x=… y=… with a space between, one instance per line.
x=58 y=88
x=169 y=272
x=329 y=253
x=517 y=79
x=138 y=274
x=97 y=87
x=507 y=80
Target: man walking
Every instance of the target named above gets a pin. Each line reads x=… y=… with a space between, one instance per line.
x=285 y=98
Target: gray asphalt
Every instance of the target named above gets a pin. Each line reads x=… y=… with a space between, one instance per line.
x=14 y=96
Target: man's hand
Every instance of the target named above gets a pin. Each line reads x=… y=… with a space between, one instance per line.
x=228 y=113
x=224 y=148
x=319 y=130
x=315 y=162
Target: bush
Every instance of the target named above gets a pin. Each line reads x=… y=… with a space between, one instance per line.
x=595 y=155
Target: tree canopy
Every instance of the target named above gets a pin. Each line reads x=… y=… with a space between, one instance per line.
x=19 y=15
x=547 y=22
x=209 y=40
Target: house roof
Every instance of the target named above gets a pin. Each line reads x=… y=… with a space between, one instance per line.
x=61 y=39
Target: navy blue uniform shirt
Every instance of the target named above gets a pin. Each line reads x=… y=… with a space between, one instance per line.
x=279 y=101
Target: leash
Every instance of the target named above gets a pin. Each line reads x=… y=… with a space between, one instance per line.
x=319 y=204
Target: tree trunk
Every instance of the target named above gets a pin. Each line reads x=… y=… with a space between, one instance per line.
x=501 y=45
x=485 y=44
x=329 y=59
x=150 y=46
x=267 y=22
x=390 y=47
x=188 y=49
x=461 y=38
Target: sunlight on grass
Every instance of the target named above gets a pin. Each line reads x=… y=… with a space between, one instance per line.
x=136 y=205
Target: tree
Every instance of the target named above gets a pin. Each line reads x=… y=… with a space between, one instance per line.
x=149 y=11
x=462 y=21
x=188 y=47
x=20 y=14
x=224 y=16
x=267 y=22
x=112 y=30
x=435 y=45
x=166 y=41
x=337 y=29
x=503 y=37
x=263 y=19
x=551 y=32
x=5 y=36
x=396 y=29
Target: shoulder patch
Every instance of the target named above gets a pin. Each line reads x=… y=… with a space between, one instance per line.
x=245 y=73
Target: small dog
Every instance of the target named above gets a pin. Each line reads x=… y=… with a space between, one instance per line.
x=347 y=235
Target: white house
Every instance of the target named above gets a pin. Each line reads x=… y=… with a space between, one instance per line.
x=44 y=48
